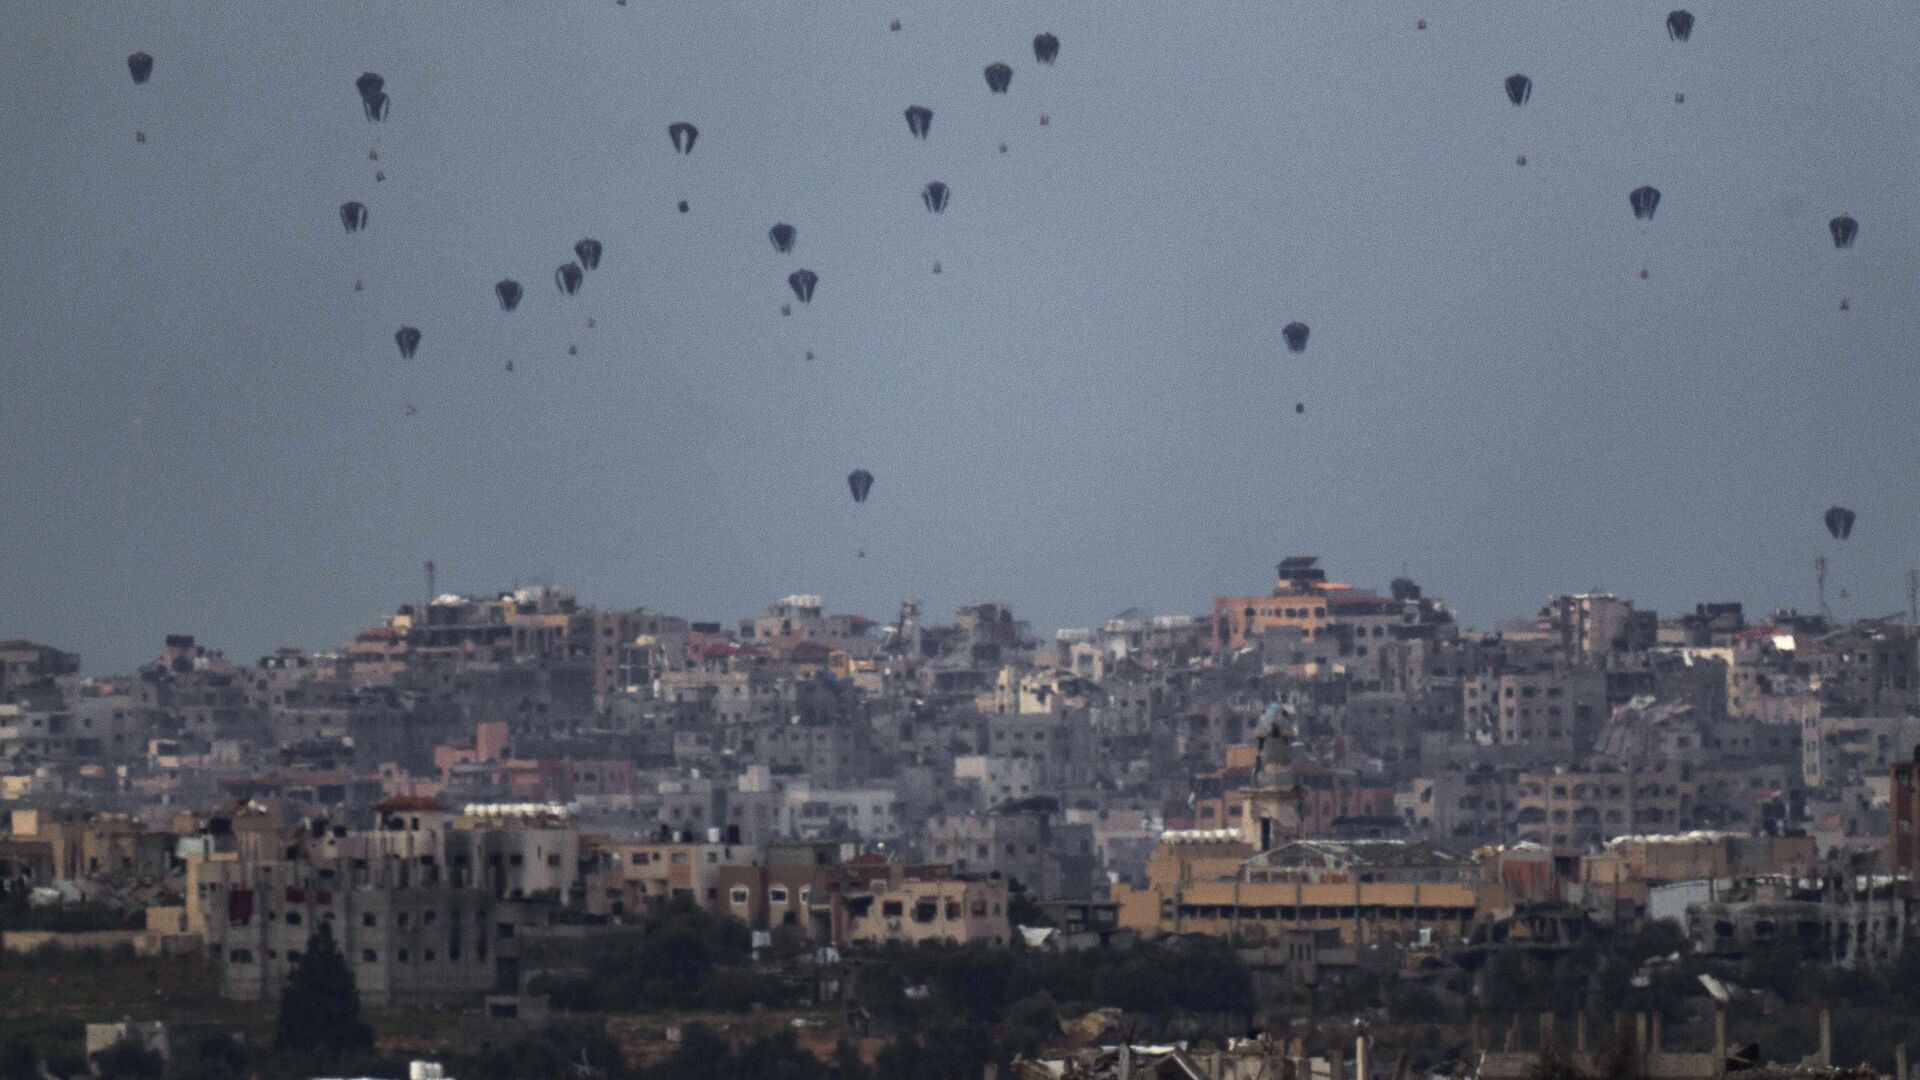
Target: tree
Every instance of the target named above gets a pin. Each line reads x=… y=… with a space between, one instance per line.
x=128 y=1059
x=214 y=1057
x=320 y=1009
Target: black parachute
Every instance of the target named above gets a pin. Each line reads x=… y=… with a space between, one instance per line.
x=568 y=277
x=783 y=236
x=859 y=482
x=1839 y=521
x=802 y=283
x=1680 y=24
x=1296 y=335
x=353 y=215
x=1519 y=89
x=935 y=196
x=408 y=339
x=588 y=252
x=919 y=120
x=683 y=135
x=1844 y=229
x=1644 y=200
x=999 y=77
x=1045 y=48
x=140 y=66
x=509 y=292
x=372 y=96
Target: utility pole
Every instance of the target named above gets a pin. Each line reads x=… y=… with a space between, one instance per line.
x=430 y=592
x=1913 y=597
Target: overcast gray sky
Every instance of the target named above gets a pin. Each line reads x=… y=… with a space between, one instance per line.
x=202 y=427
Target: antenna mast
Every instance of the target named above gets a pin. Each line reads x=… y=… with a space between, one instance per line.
x=430 y=593
x=1820 y=582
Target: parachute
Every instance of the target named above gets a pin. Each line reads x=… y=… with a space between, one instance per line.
x=1296 y=335
x=140 y=66
x=568 y=277
x=859 y=482
x=1844 y=229
x=588 y=252
x=408 y=339
x=683 y=135
x=935 y=195
x=919 y=120
x=509 y=292
x=1680 y=24
x=1519 y=89
x=802 y=283
x=1644 y=200
x=1045 y=48
x=782 y=236
x=999 y=76
x=353 y=215
x=1300 y=407
x=372 y=99
x=1839 y=521
x=894 y=26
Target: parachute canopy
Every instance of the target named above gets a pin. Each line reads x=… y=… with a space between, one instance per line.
x=372 y=99
x=919 y=120
x=1844 y=229
x=1519 y=89
x=782 y=236
x=1680 y=24
x=1296 y=335
x=683 y=135
x=353 y=215
x=408 y=339
x=859 y=482
x=1839 y=521
x=140 y=66
x=588 y=252
x=1045 y=48
x=509 y=292
x=999 y=77
x=802 y=283
x=568 y=277
x=935 y=195
x=1644 y=200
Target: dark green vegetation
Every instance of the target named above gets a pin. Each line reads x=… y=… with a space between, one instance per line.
x=683 y=958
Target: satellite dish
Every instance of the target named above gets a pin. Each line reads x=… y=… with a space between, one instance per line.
x=1715 y=989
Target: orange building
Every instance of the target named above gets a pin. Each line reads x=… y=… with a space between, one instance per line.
x=1299 y=601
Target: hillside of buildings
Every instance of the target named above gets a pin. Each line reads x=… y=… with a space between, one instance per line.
x=1322 y=829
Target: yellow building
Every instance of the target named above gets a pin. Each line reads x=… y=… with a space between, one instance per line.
x=1213 y=882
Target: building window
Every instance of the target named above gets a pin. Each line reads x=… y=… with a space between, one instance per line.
x=738 y=895
x=369 y=956
x=777 y=894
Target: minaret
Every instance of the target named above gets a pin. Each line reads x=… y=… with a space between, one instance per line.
x=1273 y=812
x=907 y=636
